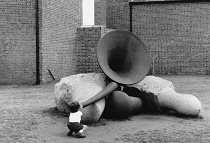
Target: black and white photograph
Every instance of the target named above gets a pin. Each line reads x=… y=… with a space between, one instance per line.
x=104 y=71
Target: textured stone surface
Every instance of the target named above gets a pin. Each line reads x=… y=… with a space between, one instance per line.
x=185 y=104
x=153 y=84
x=81 y=87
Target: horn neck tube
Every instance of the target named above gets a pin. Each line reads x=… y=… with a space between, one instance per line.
x=106 y=91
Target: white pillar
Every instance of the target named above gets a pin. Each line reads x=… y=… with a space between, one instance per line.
x=88 y=12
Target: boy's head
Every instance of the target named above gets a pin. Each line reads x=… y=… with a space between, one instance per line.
x=74 y=106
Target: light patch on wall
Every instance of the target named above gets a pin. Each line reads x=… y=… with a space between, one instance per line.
x=88 y=12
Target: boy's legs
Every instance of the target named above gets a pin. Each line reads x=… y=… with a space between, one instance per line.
x=84 y=127
x=71 y=128
x=80 y=133
x=76 y=127
x=69 y=133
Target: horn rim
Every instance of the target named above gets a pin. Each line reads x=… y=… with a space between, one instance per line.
x=140 y=75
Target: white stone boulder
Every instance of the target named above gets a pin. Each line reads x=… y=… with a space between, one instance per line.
x=81 y=87
x=168 y=98
x=153 y=84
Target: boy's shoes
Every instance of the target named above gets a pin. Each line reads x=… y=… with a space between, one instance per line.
x=69 y=133
x=81 y=135
x=84 y=127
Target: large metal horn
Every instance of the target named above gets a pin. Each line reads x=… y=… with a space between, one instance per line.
x=124 y=58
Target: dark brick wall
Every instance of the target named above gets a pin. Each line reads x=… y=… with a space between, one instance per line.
x=177 y=36
x=17 y=42
x=60 y=20
x=87 y=40
x=118 y=15
x=100 y=12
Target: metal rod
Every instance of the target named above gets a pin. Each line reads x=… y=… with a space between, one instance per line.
x=131 y=19
x=37 y=44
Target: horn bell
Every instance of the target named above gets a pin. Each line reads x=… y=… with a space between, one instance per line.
x=123 y=57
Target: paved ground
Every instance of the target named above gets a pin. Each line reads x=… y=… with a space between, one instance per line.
x=28 y=115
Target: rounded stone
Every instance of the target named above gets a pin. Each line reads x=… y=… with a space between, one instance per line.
x=81 y=87
x=118 y=105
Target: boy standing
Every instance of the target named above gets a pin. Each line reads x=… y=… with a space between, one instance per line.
x=74 y=124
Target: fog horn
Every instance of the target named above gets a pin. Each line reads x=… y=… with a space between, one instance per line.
x=124 y=58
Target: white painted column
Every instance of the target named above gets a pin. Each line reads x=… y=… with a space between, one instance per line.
x=88 y=12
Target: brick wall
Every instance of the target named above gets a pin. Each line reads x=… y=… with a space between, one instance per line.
x=87 y=40
x=118 y=15
x=177 y=35
x=60 y=20
x=17 y=42
x=100 y=12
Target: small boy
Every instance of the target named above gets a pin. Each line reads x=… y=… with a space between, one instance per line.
x=74 y=124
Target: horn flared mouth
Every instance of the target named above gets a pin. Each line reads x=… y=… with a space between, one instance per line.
x=123 y=57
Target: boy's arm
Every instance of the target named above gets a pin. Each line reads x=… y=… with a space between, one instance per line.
x=80 y=105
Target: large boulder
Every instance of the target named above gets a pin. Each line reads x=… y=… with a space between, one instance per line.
x=148 y=91
x=153 y=84
x=81 y=87
x=164 y=96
